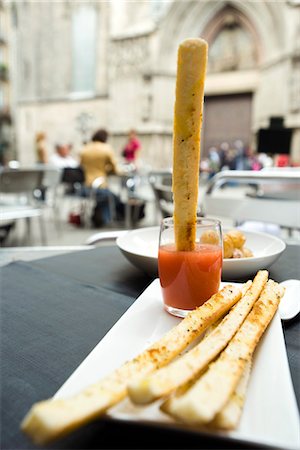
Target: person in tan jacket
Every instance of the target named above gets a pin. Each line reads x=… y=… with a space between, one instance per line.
x=97 y=160
x=41 y=148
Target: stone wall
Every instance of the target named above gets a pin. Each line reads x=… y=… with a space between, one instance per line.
x=59 y=120
x=136 y=69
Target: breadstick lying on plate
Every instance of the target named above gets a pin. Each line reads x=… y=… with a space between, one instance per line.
x=53 y=418
x=207 y=397
x=229 y=417
x=163 y=381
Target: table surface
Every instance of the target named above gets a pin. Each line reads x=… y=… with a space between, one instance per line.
x=11 y=254
x=56 y=309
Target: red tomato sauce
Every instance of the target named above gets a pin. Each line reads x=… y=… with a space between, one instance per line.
x=189 y=278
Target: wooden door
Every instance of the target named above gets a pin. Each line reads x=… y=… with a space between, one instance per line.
x=227 y=118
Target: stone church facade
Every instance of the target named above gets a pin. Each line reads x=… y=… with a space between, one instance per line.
x=84 y=65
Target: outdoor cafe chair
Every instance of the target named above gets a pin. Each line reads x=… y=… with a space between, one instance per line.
x=17 y=200
x=74 y=190
x=161 y=184
x=271 y=197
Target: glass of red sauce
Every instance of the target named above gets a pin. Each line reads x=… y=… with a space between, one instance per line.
x=189 y=278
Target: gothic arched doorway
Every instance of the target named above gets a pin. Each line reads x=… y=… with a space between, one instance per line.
x=233 y=52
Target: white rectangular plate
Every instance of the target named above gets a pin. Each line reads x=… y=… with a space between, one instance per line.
x=270 y=415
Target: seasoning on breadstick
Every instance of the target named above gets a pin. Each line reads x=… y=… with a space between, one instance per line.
x=50 y=419
x=179 y=372
x=191 y=70
x=210 y=393
x=228 y=418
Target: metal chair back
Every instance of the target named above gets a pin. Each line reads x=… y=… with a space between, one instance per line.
x=20 y=181
x=17 y=188
x=71 y=175
x=161 y=184
x=275 y=197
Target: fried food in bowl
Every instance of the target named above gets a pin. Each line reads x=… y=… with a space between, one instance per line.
x=210 y=237
x=233 y=245
x=228 y=246
x=237 y=237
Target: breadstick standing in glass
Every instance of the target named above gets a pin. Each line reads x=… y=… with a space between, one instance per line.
x=191 y=70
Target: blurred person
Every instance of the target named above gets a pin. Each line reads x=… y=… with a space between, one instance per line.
x=42 y=157
x=223 y=150
x=282 y=160
x=252 y=160
x=231 y=159
x=265 y=160
x=41 y=150
x=204 y=165
x=62 y=157
x=240 y=154
x=213 y=161
x=3 y=155
x=256 y=164
x=132 y=148
x=5 y=136
x=97 y=160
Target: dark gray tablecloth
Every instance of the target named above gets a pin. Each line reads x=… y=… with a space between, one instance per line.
x=55 y=310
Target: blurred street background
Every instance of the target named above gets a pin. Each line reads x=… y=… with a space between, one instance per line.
x=70 y=68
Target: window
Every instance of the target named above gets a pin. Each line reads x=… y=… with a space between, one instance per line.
x=84 y=21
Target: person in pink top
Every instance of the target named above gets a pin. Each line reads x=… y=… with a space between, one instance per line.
x=132 y=148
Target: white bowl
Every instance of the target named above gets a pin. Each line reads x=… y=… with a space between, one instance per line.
x=140 y=247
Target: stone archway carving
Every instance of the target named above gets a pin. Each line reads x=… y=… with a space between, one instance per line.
x=193 y=18
x=233 y=42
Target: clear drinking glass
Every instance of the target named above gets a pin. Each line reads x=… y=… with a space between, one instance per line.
x=189 y=278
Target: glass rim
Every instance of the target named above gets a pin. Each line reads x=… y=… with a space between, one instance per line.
x=200 y=221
